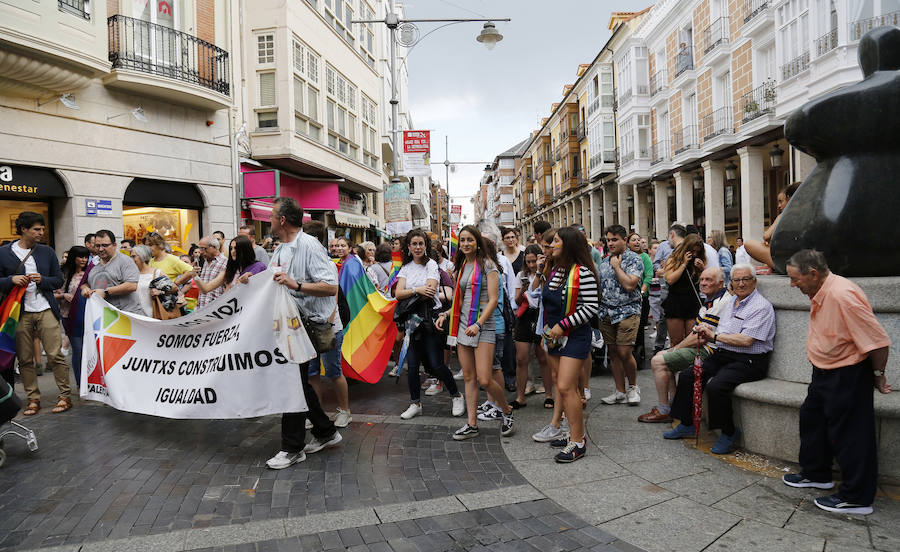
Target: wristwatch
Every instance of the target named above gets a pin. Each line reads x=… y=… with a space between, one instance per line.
x=878 y=373
x=105 y=293
x=299 y=286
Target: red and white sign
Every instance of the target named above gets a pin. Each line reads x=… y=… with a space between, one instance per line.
x=417 y=153
x=455 y=212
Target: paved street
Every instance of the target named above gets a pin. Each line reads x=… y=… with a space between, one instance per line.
x=108 y=480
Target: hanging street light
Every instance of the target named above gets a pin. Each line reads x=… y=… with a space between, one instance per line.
x=489 y=36
x=775 y=156
x=698 y=181
x=731 y=170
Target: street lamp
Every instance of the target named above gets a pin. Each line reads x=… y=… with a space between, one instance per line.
x=731 y=170
x=409 y=37
x=776 y=155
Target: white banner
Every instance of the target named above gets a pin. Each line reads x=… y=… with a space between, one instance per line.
x=218 y=362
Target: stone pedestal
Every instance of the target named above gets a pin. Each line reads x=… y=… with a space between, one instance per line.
x=767 y=411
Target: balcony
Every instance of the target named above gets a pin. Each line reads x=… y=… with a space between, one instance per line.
x=627 y=158
x=826 y=43
x=794 y=67
x=154 y=59
x=717 y=123
x=758 y=102
x=684 y=139
x=594 y=106
x=754 y=8
x=684 y=61
x=659 y=152
x=624 y=97
x=861 y=27
x=714 y=35
x=659 y=81
x=80 y=8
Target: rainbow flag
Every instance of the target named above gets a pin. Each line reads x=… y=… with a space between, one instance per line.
x=454 y=244
x=397 y=261
x=9 y=321
x=370 y=334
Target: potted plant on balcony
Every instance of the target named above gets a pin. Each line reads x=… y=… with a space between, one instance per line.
x=751 y=107
x=769 y=92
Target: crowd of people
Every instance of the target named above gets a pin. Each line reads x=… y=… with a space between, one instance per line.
x=496 y=303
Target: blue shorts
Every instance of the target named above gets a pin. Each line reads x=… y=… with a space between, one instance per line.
x=331 y=360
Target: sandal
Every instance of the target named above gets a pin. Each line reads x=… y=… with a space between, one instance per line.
x=517 y=405
x=33 y=406
x=548 y=403
x=63 y=404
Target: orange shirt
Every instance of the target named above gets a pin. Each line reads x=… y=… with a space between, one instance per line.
x=843 y=329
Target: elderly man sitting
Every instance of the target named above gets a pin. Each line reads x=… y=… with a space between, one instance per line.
x=666 y=364
x=744 y=337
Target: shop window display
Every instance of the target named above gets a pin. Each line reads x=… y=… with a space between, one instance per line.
x=179 y=227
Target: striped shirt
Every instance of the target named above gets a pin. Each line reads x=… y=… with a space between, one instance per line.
x=753 y=316
x=711 y=311
x=588 y=301
x=305 y=260
x=210 y=270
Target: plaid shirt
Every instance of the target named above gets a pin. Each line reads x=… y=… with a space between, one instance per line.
x=754 y=317
x=210 y=270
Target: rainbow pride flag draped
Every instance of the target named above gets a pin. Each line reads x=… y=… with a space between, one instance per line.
x=397 y=262
x=9 y=321
x=370 y=334
x=454 y=243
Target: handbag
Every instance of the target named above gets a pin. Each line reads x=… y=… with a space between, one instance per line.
x=160 y=312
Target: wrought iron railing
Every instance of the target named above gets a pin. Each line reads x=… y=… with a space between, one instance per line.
x=716 y=123
x=659 y=152
x=684 y=61
x=150 y=48
x=754 y=8
x=684 y=139
x=659 y=81
x=595 y=160
x=717 y=33
x=628 y=158
x=594 y=105
x=795 y=66
x=826 y=42
x=625 y=97
x=81 y=8
x=861 y=27
x=757 y=102
x=582 y=131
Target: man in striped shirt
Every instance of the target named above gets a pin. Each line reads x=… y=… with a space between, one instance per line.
x=666 y=364
x=215 y=263
x=745 y=337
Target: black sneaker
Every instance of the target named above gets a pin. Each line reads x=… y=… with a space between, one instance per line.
x=571 y=453
x=835 y=504
x=506 y=427
x=465 y=432
x=797 y=480
x=560 y=443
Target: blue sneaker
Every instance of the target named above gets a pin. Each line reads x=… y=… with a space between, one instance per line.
x=679 y=432
x=725 y=442
x=835 y=504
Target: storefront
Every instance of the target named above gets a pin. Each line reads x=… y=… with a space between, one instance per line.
x=25 y=188
x=173 y=209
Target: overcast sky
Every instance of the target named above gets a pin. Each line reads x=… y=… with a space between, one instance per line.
x=484 y=101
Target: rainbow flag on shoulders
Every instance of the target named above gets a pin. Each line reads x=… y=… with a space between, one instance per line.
x=9 y=321
x=370 y=334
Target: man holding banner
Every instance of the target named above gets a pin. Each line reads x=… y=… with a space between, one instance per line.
x=302 y=265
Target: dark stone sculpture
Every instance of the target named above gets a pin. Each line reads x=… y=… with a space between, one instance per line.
x=849 y=205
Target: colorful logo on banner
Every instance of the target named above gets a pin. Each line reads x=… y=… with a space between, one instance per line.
x=110 y=346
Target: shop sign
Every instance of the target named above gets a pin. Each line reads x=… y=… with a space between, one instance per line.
x=29 y=181
x=93 y=206
x=348 y=204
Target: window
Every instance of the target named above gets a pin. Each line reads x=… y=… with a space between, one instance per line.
x=265 y=48
x=267 y=89
x=642 y=68
x=267 y=119
x=341 y=113
x=624 y=76
x=643 y=134
x=366 y=33
x=306 y=91
x=606 y=89
x=792 y=19
x=339 y=14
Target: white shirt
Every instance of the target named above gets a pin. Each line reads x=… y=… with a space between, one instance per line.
x=742 y=257
x=712 y=256
x=509 y=279
x=418 y=275
x=34 y=301
x=447 y=266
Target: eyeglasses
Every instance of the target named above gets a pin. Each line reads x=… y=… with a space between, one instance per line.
x=103 y=245
x=742 y=280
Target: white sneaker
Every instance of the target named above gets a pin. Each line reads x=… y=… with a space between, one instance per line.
x=458 y=376
x=547 y=434
x=285 y=459
x=459 y=406
x=616 y=398
x=633 y=396
x=485 y=406
x=490 y=415
x=342 y=418
x=316 y=445
x=587 y=394
x=434 y=389
x=428 y=383
x=411 y=412
x=529 y=388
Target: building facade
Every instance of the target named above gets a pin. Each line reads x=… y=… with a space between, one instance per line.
x=116 y=115
x=312 y=109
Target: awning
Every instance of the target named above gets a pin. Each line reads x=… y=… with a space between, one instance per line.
x=260 y=210
x=351 y=220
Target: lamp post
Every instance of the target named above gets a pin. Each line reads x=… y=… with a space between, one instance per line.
x=409 y=37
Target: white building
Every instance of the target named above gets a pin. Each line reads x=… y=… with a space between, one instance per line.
x=115 y=115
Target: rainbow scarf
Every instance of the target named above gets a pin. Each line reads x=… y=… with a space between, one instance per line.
x=571 y=292
x=456 y=308
x=454 y=243
x=9 y=316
